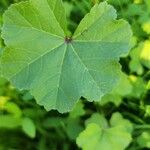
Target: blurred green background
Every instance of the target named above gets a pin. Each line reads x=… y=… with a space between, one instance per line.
x=121 y=120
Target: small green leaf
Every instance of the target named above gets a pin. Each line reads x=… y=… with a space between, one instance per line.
x=135 y=64
x=116 y=2
x=3 y=101
x=68 y=7
x=98 y=119
x=145 y=54
x=148 y=85
x=73 y=128
x=139 y=86
x=118 y=120
x=9 y=121
x=147 y=111
x=148 y=5
x=124 y=86
x=27 y=96
x=116 y=137
x=112 y=97
x=144 y=140
x=134 y=10
x=28 y=127
x=13 y=109
x=146 y=27
x=140 y=56
x=78 y=110
x=122 y=89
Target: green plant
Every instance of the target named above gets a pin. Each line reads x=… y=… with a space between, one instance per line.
x=119 y=121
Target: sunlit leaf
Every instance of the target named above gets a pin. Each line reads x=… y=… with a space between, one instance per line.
x=78 y=110
x=98 y=119
x=144 y=140
x=9 y=121
x=145 y=54
x=135 y=64
x=148 y=85
x=116 y=137
x=146 y=27
x=122 y=89
x=13 y=108
x=28 y=127
x=139 y=86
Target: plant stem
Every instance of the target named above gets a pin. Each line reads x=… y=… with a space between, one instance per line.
x=142 y=126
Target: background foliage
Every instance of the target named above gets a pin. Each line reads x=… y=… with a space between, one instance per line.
x=121 y=120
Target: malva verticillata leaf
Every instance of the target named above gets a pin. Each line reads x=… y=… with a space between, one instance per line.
x=58 y=69
x=101 y=135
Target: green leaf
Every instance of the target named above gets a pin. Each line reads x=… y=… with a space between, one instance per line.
x=124 y=86
x=116 y=137
x=140 y=56
x=73 y=128
x=118 y=120
x=144 y=140
x=147 y=111
x=68 y=7
x=146 y=27
x=0 y=43
x=134 y=10
x=53 y=122
x=27 y=96
x=145 y=54
x=9 y=121
x=118 y=2
x=77 y=111
x=28 y=127
x=58 y=70
x=148 y=85
x=3 y=102
x=135 y=64
x=148 y=5
x=112 y=97
x=122 y=89
x=139 y=86
x=98 y=119
x=138 y=1
x=13 y=109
